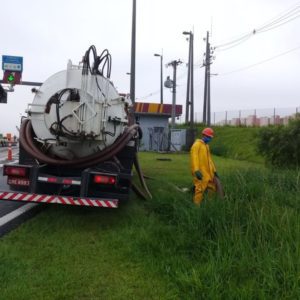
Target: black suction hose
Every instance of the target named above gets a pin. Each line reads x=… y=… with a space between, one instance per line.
x=137 y=190
x=26 y=140
x=141 y=177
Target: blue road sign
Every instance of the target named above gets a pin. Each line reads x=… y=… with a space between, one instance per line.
x=12 y=63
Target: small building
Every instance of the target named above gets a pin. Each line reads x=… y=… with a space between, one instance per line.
x=275 y=120
x=286 y=120
x=264 y=121
x=252 y=121
x=235 y=122
x=154 y=122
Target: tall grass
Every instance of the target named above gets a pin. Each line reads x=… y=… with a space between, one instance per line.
x=246 y=246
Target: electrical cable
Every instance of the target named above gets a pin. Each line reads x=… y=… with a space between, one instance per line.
x=282 y=19
x=259 y=63
x=278 y=25
x=280 y=16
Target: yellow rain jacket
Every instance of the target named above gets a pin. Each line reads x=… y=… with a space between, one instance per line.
x=201 y=161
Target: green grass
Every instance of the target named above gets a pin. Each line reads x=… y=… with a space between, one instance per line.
x=246 y=246
x=235 y=142
x=73 y=253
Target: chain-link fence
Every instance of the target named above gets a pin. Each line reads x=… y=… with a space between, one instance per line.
x=251 y=117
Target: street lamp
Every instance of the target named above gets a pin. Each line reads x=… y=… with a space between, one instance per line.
x=161 y=77
x=190 y=80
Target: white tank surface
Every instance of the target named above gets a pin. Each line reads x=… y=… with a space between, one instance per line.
x=76 y=113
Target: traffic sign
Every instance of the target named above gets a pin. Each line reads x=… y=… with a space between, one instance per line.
x=12 y=63
x=12 y=77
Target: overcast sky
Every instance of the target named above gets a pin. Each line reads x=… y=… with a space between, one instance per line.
x=48 y=33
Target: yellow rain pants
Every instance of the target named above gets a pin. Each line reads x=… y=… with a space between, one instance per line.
x=201 y=161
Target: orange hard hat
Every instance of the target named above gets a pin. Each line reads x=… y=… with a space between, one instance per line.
x=208 y=132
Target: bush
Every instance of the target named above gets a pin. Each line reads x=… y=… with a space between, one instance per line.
x=281 y=145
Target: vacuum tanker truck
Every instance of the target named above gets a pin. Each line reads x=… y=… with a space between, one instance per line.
x=78 y=142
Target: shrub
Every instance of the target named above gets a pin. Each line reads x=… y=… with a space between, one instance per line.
x=281 y=145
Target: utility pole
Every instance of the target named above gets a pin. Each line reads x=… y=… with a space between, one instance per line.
x=189 y=112
x=133 y=47
x=206 y=100
x=174 y=64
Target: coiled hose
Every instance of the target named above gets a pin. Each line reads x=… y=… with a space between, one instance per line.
x=26 y=141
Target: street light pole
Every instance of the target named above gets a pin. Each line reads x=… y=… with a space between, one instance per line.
x=192 y=80
x=133 y=48
x=161 y=76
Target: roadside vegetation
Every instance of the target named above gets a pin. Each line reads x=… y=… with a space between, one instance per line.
x=280 y=145
x=246 y=246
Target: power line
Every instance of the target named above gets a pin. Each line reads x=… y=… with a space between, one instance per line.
x=281 y=15
x=279 y=20
x=261 y=62
x=232 y=45
x=280 y=24
x=149 y=95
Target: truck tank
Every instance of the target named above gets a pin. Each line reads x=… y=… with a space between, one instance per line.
x=77 y=117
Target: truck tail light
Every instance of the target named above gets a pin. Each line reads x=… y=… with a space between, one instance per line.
x=52 y=179
x=104 y=179
x=15 y=171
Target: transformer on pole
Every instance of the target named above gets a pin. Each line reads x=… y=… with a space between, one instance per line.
x=174 y=64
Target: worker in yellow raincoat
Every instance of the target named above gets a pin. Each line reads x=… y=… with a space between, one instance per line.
x=202 y=166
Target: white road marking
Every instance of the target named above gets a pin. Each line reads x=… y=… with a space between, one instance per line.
x=15 y=213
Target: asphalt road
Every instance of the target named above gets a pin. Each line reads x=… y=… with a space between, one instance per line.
x=12 y=213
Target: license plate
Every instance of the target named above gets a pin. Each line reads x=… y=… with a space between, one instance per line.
x=18 y=181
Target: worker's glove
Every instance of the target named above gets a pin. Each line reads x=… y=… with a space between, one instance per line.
x=198 y=175
x=217 y=175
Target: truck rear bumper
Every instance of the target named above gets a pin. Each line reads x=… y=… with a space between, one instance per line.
x=55 y=199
